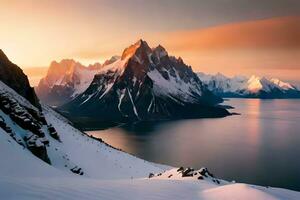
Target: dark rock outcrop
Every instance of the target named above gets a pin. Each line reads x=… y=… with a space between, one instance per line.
x=29 y=119
x=13 y=76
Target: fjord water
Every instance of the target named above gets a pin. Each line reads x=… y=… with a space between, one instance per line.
x=260 y=146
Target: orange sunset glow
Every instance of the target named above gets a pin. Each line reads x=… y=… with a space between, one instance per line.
x=39 y=32
x=150 y=99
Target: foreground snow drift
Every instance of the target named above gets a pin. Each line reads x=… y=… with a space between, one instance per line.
x=97 y=159
x=108 y=173
x=88 y=189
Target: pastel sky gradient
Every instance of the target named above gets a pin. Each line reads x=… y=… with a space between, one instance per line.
x=230 y=36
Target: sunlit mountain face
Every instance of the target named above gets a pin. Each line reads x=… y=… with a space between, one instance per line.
x=144 y=84
x=249 y=87
x=65 y=80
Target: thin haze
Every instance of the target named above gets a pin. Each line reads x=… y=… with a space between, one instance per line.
x=36 y=32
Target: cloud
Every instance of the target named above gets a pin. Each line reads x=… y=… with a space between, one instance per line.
x=261 y=47
x=276 y=33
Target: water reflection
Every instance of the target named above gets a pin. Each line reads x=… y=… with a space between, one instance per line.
x=260 y=146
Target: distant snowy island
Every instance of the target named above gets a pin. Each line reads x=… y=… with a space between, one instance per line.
x=249 y=87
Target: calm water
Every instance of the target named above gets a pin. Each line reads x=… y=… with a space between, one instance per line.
x=261 y=146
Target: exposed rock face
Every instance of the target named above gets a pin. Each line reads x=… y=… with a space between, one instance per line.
x=65 y=80
x=28 y=127
x=28 y=119
x=187 y=174
x=145 y=84
x=253 y=87
x=13 y=76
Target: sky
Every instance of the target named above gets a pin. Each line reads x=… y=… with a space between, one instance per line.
x=229 y=36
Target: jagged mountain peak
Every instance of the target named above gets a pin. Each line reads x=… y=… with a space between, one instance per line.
x=65 y=80
x=57 y=70
x=140 y=49
x=111 y=60
x=94 y=66
x=283 y=84
x=140 y=57
x=180 y=60
x=69 y=65
x=145 y=84
x=160 y=51
x=66 y=69
x=255 y=78
x=255 y=83
x=65 y=61
x=66 y=65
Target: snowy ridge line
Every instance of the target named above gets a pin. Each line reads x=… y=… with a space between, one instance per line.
x=65 y=80
x=82 y=167
x=254 y=86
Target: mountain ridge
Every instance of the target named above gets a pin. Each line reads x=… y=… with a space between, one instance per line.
x=73 y=165
x=249 y=87
x=146 y=84
x=65 y=80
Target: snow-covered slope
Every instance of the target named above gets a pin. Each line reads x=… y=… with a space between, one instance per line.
x=109 y=173
x=67 y=79
x=71 y=149
x=44 y=157
x=254 y=87
x=145 y=84
x=90 y=189
x=37 y=180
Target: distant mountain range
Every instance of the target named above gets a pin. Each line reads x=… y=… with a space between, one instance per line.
x=252 y=87
x=66 y=79
x=43 y=155
x=36 y=141
x=145 y=84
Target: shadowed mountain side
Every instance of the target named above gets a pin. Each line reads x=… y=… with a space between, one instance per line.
x=145 y=84
x=13 y=76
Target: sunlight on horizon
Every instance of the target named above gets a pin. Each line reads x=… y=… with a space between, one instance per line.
x=264 y=44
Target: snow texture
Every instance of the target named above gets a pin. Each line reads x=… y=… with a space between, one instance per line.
x=108 y=173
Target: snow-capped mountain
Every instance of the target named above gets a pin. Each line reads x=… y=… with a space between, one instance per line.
x=44 y=157
x=253 y=87
x=145 y=84
x=27 y=132
x=65 y=80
